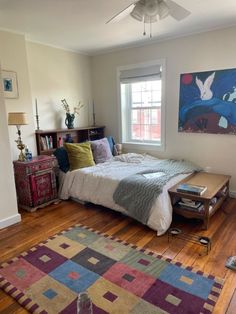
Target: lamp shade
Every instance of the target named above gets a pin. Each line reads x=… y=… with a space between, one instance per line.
x=17 y=118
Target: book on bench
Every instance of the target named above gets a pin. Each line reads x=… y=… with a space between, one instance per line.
x=231 y=262
x=191 y=188
x=193 y=205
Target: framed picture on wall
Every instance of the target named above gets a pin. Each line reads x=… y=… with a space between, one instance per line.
x=10 y=88
x=207 y=102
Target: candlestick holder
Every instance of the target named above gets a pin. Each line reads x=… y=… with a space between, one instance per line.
x=37 y=121
x=37 y=114
x=94 y=122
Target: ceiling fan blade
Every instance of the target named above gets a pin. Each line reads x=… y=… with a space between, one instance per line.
x=122 y=14
x=176 y=11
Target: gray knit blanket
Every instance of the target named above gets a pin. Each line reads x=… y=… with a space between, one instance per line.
x=138 y=192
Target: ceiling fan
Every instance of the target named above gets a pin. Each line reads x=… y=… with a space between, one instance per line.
x=150 y=11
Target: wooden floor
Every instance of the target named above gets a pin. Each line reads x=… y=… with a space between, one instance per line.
x=45 y=222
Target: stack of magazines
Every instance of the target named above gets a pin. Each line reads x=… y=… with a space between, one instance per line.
x=191 y=188
x=191 y=205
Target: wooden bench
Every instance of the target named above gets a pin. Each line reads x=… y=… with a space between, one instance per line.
x=217 y=186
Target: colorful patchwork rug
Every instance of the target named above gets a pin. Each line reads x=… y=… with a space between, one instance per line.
x=119 y=277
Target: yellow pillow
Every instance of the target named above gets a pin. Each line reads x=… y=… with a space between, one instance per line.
x=80 y=155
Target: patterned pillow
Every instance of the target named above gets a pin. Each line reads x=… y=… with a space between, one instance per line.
x=101 y=150
x=80 y=155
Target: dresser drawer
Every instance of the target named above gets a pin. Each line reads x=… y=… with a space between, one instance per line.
x=32 y=167
x=39 y=167
x=43 y=187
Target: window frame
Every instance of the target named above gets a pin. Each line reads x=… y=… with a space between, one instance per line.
x=124 y=126
x=129 y=110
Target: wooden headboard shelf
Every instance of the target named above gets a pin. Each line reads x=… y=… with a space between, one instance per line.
x=48 y=140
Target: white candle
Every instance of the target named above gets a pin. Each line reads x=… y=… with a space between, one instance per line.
x=36 y=106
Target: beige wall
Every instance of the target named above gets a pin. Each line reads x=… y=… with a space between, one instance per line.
x=56 y=74
x=8 y=205
x=49 y=75
x=13 y=58
x=208 y=51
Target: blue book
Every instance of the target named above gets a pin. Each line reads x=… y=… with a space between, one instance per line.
x=192 y=189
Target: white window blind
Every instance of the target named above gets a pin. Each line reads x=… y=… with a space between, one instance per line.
x=150 y=73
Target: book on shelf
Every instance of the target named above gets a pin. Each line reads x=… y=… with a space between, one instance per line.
x=46 y=142
x=191 y=188
x=199 y=209
x=193 y=205
x=50 y=142
x=188 y=201
x=43 y=143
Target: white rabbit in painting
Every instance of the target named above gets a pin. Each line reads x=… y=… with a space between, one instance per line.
x=205 y=91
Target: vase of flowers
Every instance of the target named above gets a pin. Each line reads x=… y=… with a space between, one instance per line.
x=69 y=120
x=70 y=117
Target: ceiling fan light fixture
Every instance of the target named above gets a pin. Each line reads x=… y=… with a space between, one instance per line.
x=164 y=10
x=151 y=7
x=138 y=12
x=150 y=11
x=150 y=19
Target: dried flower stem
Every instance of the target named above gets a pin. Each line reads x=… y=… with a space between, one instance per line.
x=66 y=107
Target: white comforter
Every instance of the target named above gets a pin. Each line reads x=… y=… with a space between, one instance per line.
x=97 y=184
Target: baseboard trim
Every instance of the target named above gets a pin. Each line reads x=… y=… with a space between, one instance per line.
x=10 y=221
x=232 y=194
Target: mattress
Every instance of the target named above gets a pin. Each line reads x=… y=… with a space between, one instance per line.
x=97 y=184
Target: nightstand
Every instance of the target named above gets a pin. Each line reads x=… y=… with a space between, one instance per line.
x=36 y=182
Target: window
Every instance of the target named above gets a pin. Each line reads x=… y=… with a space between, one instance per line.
x=142 y=105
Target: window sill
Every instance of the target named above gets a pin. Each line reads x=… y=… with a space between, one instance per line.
x=144 y=146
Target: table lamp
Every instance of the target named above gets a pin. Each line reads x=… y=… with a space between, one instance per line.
x=18 y=119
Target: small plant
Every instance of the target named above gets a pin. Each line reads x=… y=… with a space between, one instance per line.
x=66 y=107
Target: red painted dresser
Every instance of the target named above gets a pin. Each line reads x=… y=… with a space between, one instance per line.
x=36 y=182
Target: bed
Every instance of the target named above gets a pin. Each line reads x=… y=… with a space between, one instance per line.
x=98 y=183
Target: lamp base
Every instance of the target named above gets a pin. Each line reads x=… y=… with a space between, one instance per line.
x=21 y=147
x=21 y=156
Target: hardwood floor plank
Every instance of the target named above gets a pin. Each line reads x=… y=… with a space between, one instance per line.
x=227 y=293
x=114 y=227
x=232 y=306
x=146 y=238
x=128 y=231
x=38 y=226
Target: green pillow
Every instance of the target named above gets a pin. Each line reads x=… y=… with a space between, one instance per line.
x=80 y=155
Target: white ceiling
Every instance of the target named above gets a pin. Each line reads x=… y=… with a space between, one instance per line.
x=79 y=25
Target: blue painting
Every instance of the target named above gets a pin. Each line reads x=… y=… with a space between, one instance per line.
x=7 y=84
x=207 y=102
